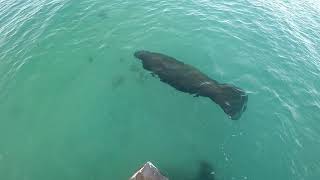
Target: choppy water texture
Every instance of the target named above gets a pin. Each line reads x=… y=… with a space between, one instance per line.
x=75 y=104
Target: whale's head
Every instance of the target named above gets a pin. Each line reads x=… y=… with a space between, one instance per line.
x=142 y=55
x=150 y=61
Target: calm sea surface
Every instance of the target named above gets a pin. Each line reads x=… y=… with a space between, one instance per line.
x=76 y=105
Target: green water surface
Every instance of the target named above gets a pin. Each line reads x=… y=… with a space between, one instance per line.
x=76 y=105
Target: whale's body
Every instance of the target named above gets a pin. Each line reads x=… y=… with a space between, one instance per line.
x=189 y=79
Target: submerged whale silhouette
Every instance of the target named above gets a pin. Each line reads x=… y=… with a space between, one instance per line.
x=206 y=171
x=189 y=79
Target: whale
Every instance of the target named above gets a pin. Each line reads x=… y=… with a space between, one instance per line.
x=188 y=79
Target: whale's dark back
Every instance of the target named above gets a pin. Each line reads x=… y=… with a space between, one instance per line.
x=189 y=79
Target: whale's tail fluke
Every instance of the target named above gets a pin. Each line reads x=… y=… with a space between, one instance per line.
x=231 y=99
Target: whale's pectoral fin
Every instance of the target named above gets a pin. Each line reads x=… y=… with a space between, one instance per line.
x=231 y=99
x=196 y=95
x=163 y=80
x=153 y=74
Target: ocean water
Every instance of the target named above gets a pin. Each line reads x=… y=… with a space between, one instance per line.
x=76 y=105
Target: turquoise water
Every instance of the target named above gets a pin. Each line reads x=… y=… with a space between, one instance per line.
x=75 y=104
